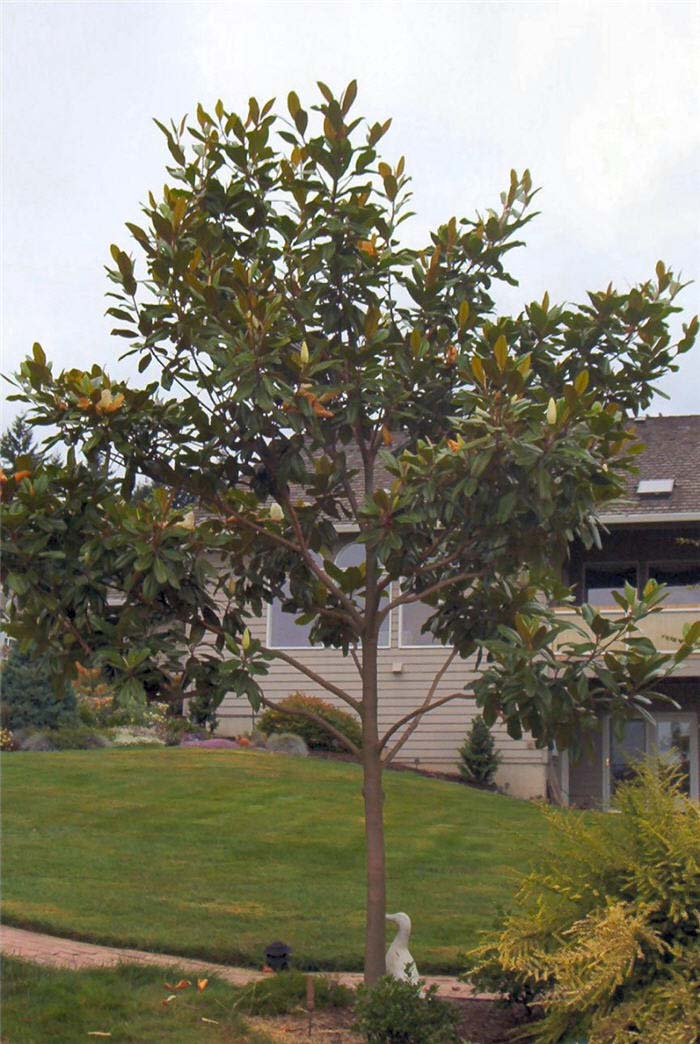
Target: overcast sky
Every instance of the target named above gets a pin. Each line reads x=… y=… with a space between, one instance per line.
x=600 y=100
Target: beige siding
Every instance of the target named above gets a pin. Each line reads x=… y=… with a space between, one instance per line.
x=405 y=676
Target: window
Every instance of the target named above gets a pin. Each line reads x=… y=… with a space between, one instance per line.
x=412 y=616
x=602 y=580
x=283 y=630
x=354 y=555
x=682 y=580
x=285 y=633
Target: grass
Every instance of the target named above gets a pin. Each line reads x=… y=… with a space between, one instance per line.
x=214 y=854
x=124 y=1004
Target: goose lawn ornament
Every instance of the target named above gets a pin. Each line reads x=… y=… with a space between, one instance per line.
x=399 y=963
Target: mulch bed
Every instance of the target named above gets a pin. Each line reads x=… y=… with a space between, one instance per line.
x=481 y=1022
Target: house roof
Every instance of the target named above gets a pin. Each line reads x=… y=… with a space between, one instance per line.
x=671 y=451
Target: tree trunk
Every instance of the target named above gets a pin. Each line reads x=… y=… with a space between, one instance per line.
x=373 y=795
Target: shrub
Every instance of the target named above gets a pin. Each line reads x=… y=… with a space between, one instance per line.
x=286 y=992
x=478 y=757
x=29 y=697
x=607 y=931
x=77 y=737
x=173 y=730
x=315 y=735
x=393 y=1012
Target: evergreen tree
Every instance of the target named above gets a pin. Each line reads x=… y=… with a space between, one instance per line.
x=29 y=696
x=479 y=758
x=18 y=442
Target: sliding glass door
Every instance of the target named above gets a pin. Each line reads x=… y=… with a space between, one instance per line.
x=674 y=736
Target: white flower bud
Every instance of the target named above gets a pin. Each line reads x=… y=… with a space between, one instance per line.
x=551 y=412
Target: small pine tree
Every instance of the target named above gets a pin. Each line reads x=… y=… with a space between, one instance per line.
x=29 y=699
x=479 y=758
x=18 y=441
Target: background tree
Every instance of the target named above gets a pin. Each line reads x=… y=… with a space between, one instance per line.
x=479 y=759
x=19 y=441
x=288 y=326
x=29 y=699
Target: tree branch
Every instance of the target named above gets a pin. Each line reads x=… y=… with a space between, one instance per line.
x=426 y=703
x=318 y=571
x=420 y=711
x=280 y=654
x=406 y=599
x=317 y=719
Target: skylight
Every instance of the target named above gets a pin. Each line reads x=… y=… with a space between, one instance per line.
x=655 y=487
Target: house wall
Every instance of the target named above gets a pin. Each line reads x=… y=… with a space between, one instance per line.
x=405 y=675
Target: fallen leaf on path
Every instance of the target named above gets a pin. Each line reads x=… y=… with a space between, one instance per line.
x=202 y=984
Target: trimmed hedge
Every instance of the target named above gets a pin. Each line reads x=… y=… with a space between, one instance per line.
x=315 y=735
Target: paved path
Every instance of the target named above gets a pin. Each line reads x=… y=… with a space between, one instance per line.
x=68 y=953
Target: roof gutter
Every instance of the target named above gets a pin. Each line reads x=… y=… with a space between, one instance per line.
x=650 y=516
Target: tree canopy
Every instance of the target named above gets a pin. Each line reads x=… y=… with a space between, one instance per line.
x=292 y=334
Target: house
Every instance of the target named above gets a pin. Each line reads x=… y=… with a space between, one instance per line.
x=654 y=531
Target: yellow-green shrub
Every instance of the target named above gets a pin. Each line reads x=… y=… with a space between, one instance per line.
x=607 y=931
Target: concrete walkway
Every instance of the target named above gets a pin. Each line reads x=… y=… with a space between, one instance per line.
x=68 y=953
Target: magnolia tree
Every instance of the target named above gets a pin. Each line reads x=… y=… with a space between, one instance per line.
x=289 y=331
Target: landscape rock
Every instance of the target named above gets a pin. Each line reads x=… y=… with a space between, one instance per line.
x=287 y=743
x=35 y=742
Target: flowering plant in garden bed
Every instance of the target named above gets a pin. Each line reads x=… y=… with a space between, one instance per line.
x=7 y=740
x=135 y=736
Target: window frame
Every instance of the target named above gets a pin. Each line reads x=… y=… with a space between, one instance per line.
x=669 y=563
x=635 y=564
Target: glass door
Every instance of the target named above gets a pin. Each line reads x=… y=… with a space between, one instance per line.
x=626 y=748
x=676 y=741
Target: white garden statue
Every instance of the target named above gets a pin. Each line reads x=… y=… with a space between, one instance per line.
x=399 y=963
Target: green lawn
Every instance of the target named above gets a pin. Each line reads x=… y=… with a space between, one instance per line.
x=51 y=1006
x=216 y=853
